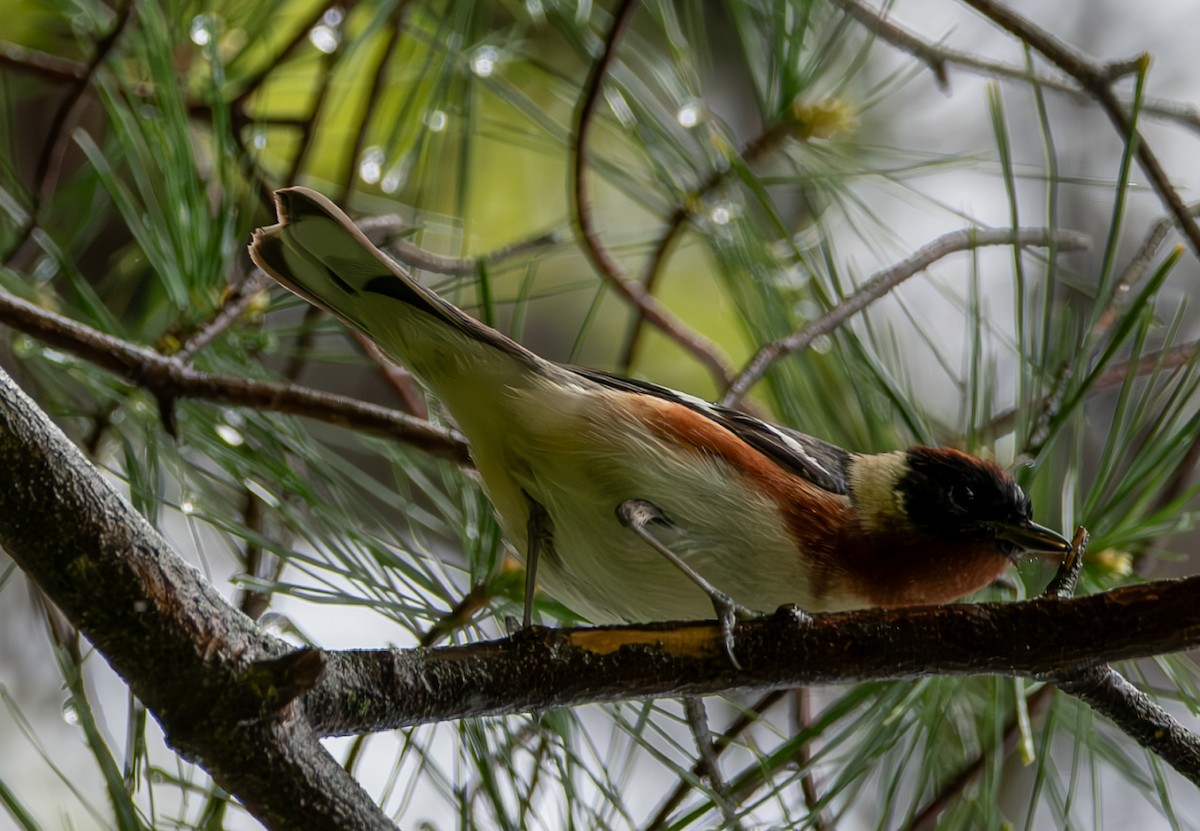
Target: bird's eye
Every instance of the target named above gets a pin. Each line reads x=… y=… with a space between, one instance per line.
x=962 y=497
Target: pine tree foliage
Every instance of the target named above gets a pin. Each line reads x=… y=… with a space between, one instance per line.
x=754 y=166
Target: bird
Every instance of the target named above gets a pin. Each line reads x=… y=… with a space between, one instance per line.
x=630 y=502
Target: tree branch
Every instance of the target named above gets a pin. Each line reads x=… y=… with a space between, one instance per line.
x=171 y=378
x=1108 y=693
x=882 y=282
x=632 y=291
x=1098 y=80
x=251 y=711
x=1044 y=638
x=224 y=691
x=938 y=58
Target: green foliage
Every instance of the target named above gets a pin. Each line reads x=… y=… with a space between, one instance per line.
x=762 y=131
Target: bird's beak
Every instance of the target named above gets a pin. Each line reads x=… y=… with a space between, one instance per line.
x=1029 y=536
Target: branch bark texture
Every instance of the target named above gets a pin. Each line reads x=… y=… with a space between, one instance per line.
x=1045 y=638
x=223 y=690
x=251 y=709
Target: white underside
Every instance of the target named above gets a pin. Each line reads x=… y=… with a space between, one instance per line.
x=566 y=445
x=602 y=570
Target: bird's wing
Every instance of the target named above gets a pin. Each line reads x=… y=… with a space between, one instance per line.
x=820 y=462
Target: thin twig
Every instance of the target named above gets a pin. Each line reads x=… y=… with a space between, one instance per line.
x=1098 y=80
x=1138 y=265
x=632 y=291
x=801 y=721
x=1172 y=357
x=926 y=818
x=253 y=82
x=697 y=718
x=755 y=150
x=722 y=741
x=398 y=378
x=54 y=148
x=169 y=378
x=938 y=58
x=882 y=282
x=42 y=64
x=234 y=306
x=253 y=601
x=298 y=354
x=1107 y=692
x=417 y=257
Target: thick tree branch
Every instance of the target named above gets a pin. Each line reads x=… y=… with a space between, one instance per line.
x=224 y=691
x=250 y=710
x=1045 y=638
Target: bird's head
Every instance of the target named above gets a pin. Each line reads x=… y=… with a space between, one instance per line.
x=950 y=496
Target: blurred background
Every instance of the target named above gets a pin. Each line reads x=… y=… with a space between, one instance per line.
x=752 y=164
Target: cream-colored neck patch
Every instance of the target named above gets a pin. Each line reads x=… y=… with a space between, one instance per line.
x=874 y=491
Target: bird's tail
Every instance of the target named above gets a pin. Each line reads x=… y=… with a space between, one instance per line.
x=317 y=253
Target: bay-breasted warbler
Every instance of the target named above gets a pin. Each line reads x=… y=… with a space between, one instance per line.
x=576 y=461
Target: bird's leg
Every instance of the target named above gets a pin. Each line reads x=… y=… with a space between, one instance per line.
x=539 y=534
x=637 y=515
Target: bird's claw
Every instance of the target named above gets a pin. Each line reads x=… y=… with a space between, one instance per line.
x=729 y=612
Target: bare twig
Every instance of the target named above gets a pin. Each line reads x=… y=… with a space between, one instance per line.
x=926 y=818
x=938 y=58
x=398 y=378
x=802 y=720
x=884 y=281
x=416 y=257
x=696 y=715
x=54 y=148
x=632 y=291
x=253 y=82
x=1107 y=692
x=720 y=743
x=42 y=64
x=234 y=306
x=1138 y=265
x=1098 y=79
x=1172 y=357
x=170 y=378
x=253 y=601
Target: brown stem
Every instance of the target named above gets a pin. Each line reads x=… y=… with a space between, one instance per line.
x=1098 y=80
x=720 y=743
x=882 y=282
x=632 y=291
x=169 y=379
x=1042 y=638
x=939 y=58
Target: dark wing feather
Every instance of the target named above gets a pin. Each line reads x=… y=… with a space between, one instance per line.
x=820 y=462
